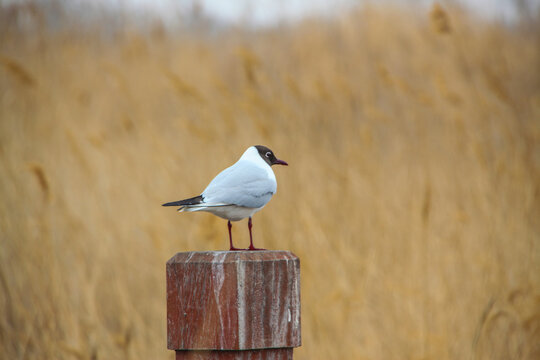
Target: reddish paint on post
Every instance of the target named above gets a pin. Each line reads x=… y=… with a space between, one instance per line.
x=233 y=305
x=264 y=354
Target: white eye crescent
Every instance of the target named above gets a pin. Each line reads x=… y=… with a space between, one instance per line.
x=268 y=154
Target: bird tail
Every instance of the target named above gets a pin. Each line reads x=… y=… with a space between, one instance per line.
x=184 y=204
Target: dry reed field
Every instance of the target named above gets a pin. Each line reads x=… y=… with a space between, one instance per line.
x=412 y=195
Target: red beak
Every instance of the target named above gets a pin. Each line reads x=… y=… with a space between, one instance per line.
x=280 y=162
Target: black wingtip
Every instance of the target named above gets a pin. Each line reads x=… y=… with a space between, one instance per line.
x=174 y=203
x=191 y=201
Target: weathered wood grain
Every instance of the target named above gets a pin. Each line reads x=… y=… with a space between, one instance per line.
x=263 y=354
x=233 y=300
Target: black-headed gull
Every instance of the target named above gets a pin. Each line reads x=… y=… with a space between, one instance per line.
x=239 y=191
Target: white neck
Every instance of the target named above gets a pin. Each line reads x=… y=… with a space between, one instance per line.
x=252 y=154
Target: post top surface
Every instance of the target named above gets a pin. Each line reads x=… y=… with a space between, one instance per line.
x=230 y=256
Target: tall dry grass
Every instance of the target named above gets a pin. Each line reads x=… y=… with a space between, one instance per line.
x=412 y=195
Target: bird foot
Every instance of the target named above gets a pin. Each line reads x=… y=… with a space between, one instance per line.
x=235 y=249
x=253 y=248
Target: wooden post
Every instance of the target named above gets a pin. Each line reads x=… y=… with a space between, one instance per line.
x=233 y=305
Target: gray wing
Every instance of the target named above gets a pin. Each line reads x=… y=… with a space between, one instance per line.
x=243 y=184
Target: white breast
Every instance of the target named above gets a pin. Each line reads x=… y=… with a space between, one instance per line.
x=252 y=155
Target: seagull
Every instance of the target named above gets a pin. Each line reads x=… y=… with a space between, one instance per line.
x=239 y=191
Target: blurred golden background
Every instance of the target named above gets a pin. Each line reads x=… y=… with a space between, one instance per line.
x=412 y=197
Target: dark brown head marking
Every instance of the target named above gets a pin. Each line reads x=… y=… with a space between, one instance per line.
x=268 y=156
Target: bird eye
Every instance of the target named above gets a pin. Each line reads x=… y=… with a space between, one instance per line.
x=268 y=154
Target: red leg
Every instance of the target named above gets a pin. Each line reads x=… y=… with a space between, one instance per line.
x=230 y=238
x=251 y=247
